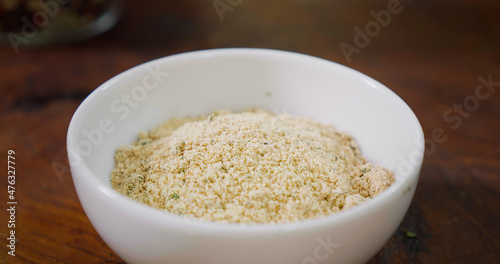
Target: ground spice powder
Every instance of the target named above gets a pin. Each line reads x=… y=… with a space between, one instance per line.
x=247 y=167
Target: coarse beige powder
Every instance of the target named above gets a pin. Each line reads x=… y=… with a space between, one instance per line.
x=248 y=167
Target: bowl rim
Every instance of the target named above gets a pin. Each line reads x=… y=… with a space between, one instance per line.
x=157 y=217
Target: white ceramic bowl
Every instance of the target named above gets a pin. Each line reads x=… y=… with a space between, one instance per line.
x=199 y=82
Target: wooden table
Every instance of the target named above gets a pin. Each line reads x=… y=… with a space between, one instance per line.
x=431 y=54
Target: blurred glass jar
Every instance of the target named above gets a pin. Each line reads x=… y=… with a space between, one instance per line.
x=33 y=23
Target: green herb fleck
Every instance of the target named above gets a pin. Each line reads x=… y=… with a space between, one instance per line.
x=181 y=170
x=144 y=143
x=175 y=196
x=363 y=170
x=410 y=234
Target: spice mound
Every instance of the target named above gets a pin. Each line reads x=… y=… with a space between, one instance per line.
x=247 y=167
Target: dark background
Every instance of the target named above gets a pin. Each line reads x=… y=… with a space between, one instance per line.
x=431 y=54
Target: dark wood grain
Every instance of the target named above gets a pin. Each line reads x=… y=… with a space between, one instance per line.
x=431 y=54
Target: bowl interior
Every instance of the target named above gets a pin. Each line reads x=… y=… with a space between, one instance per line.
x=199 y=82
